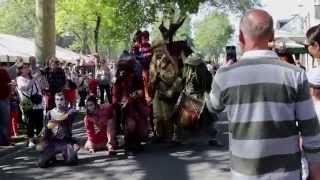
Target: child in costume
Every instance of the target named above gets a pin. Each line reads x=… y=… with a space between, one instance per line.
x=57 y=135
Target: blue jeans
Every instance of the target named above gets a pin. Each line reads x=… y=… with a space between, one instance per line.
x=4 y=121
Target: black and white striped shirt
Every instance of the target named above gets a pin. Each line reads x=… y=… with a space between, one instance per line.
x=268 y=106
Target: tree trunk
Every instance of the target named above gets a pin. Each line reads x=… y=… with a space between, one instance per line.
x=85 y=46
x=45 y=32
x=109 y=49
x=96 y=34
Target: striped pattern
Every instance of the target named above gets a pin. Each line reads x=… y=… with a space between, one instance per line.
x=268 y=106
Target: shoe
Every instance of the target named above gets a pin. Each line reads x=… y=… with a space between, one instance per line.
x=157 y=140
x=72 y=156
x=111 y=153
x=214 y=142
x=76 y=147
x=31 y=144
x=175 y=143
x=130 y=153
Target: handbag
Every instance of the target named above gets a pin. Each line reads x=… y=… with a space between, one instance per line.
x=36 y=98
x=189 y=110
x=72 y=85
x=26 y=104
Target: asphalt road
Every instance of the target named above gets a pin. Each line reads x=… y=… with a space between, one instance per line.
x=193 y=161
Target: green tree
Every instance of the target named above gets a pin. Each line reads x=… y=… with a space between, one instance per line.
x=18 y=17
x=100 y=22
x=169 y=11
x=99 y=25
x=186 y=6
x=212 y=34
x=185 y=31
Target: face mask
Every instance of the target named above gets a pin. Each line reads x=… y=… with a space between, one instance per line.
x=60 y=102
x=91 y=108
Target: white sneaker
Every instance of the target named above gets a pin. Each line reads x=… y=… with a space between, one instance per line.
x=31 y=144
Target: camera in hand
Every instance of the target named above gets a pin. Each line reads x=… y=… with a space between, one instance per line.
x=231 y=53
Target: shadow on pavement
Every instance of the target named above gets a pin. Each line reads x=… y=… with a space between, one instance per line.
x=185 y=162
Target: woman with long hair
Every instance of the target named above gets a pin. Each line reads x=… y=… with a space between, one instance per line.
x=29 y=91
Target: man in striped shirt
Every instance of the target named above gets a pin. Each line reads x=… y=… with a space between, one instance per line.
x=268 y=106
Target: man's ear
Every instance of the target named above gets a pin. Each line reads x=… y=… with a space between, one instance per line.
x=316 y=46
x=271 y=37
x=241 y=38
x=311 y=91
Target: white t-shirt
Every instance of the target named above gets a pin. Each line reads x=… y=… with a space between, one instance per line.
x=317 y=107
x=22 y=83
x=103 y=75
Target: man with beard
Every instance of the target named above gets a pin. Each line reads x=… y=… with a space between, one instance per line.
x=57 y=137
x=100 y=126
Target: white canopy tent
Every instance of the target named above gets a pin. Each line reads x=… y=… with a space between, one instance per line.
x=13 y=46
x=292 y=37
x=292 y=31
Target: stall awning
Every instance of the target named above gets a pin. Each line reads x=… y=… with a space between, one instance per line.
x=13 y=46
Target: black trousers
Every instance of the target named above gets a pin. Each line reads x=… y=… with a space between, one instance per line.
x=105 y=88
x=34 y=122
x=208 y=121
x=83 y=95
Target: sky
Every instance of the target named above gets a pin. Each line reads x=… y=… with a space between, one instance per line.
x=282 y=9
x=279 y=9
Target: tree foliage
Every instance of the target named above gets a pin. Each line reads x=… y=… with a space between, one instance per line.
x=187 y=6
x=118 y=19
x=103 y=25
x=17 y=17
x=212 y=34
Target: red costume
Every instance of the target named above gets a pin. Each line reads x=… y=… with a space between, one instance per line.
x=71 y=96
x=100 y=128
x=128 y=98
x=93 y=84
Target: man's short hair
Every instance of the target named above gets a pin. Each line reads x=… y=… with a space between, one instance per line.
x=59 y=94
x=32 y=58
x=253 y=29
x=93 y=99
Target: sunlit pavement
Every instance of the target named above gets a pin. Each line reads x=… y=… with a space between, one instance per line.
x=193 y=161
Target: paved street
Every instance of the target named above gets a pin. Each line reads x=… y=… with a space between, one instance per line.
x=193 y=161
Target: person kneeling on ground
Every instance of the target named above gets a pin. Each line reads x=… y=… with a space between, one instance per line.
x=57 y=135
x=100 y=126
